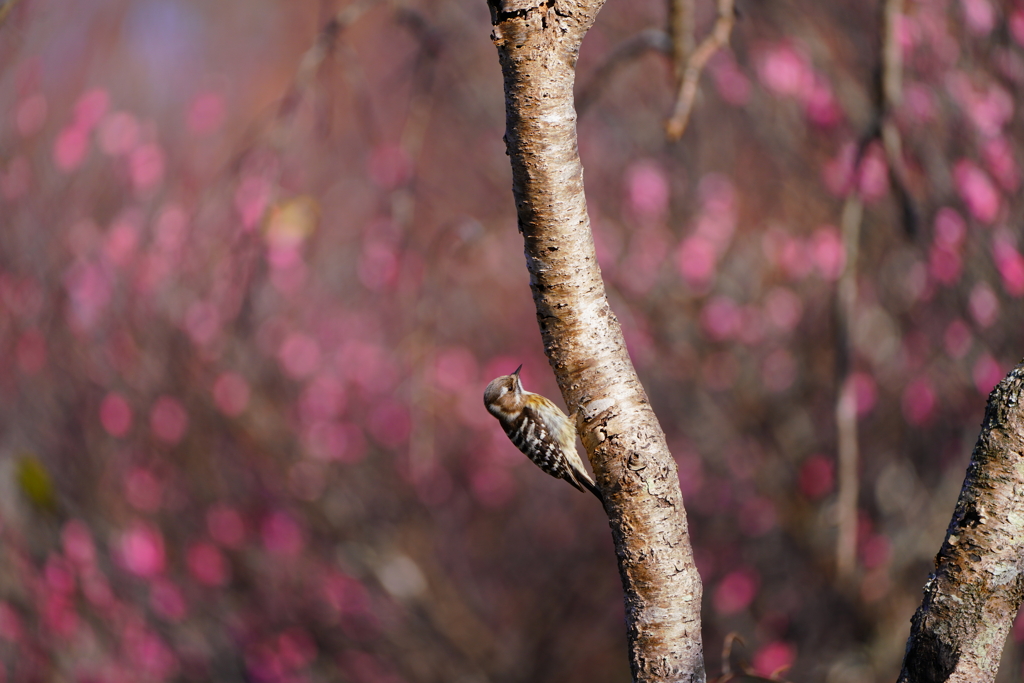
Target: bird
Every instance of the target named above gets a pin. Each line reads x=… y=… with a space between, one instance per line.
x=539 y=429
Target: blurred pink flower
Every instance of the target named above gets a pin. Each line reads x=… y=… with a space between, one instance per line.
x=226 y=526
x=77 y=543
x=90 y=289
x=697 y=261
x=299 y=355
x=30 y=115
x=206 y=113
x=71 y=147
x=96 y=589
x=167 y=600
x=202 y=322
x=919 y=102
x=999 y=158
x=778 y=371
x=865 y=391
x=252 y=198
x=983 y=305
x=282 y=535
x=774 y=657
x=979 y=15
x=168 y=419
x=828 y=252
x=976 y=190
x=122 y=239
x=957 y=339
x=389 y=166
x=873 y=174
x=736 y=591
x=944 y=264
x=783 y=308
x=30 y=351
x=143 y=490
x=757 y=516
x=838 y=172
x=1016 y=23
x=231 y=393
x=141 y=549
x=986 y=374
x=817 y=477
x=91 y=107
x=171 y=229
x=785 y=70
x=207 y=564
x=1010 y=264
x=875 y=550
x=322 y=399
x=492 y=487
x=919 y=401
x=950 y=228
x=732 y=84
x=378 y=266
x=720 y=318
x=11 y=628
x=59 y=615
x=115 y=414
x=118 y=133
x=647 y=190
x=148 y=654
x=820 y=104
x=59 y=575
x=146 y=166
x=340 y=441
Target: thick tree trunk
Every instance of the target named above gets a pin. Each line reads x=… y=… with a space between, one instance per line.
x=972 y=598
x=538 y=44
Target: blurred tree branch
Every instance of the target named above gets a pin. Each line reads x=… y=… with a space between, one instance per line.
x=538 y=44
x=694 y=64
x=972 y=598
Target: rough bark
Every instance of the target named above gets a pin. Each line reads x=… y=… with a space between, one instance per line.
x=972 y=598
x=538 y=44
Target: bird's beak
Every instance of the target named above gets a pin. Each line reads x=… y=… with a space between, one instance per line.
x=519 y=382
x=516 y=373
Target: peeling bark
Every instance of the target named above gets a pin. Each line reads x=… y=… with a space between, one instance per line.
x=538 y=43
x=972 y=598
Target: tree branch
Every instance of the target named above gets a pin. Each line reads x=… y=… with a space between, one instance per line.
x=538 y=42
x=972 y=598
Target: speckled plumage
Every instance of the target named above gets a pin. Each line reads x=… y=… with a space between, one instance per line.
x=539 y=429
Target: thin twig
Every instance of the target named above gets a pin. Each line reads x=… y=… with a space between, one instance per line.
x=719 y=37
x=681 y=27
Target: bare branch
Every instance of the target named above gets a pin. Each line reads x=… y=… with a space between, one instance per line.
x=537 y=46
x=681 y=28
x=719 y=37
x=972 y=598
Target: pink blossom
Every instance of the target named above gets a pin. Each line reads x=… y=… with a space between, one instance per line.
x=118 y=133
x=986 y=374
x=1010 y=264
x=720 y=318
x=30 y=352
x=226 y=526
x=378 y=266
x=950 y=228
x=976 y=190
x=983 y=305
x=143 y=490
x=231 y=393
x=783 y=308
x=115 y=414
x=299 y=355
x=30 y=115
x=252 y=198
x=820 y=105
x=91 y=107
x=873 y=174
x=141 y=549
x=389 y=166
x=732 y=84
x=167 y=600
x=944 y=264
x=696 y=260
x=59 y=575
x=90 y=289
x=206 y=113
x=282 y=535
x=838 y=172
x=70 y=148
x=59 y=615
x=774 y=657
x=322 y=399
x=1016 y=22
x=918 y=102
x=919 y=401
x=736 y=591
x=330 y=440
x=785 y=70
x=998 y=155
x=957 y=339
x=207 y=564
x=168 y=419
x=96 y=589
x=875 y=551
x=146 y=166
x=202 y=322
x=828 y=252
x=171 y=229
x=979 y=15
x=78 y=544
x=865 y=391
x=122 y=239
x=647 y=190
